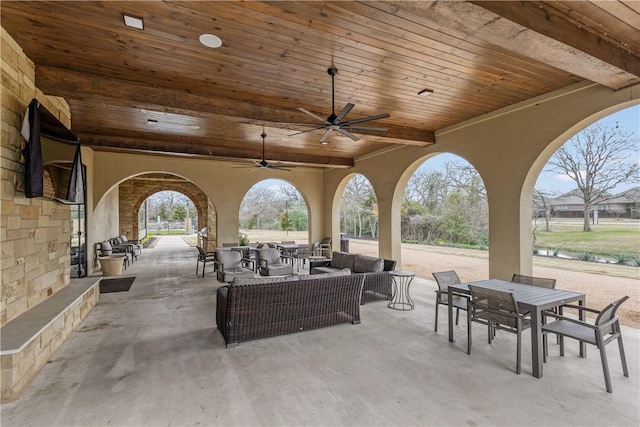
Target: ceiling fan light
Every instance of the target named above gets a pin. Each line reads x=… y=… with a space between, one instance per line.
x=425 y=92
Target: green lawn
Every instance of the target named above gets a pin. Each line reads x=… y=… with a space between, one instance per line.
x=605 y=238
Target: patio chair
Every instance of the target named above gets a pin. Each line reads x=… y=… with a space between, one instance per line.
x=496 y=310
x=270 y=263
x=534 y=281
x=131 y=247
x=543 y=283
x=204 y=258
x=230 y=264
x=325 y=247
x=604 y=329
x=444 y=279
x=306 y=251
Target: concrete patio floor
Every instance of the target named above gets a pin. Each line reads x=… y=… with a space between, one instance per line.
x=153 y=356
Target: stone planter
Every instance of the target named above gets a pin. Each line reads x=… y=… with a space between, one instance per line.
x=111 y=265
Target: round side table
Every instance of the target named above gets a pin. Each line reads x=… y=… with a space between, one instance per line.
x=401 y=300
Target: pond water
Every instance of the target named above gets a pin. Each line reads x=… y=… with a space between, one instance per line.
x=572 y=255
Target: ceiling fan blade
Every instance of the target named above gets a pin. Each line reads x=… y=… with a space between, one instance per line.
x=279 y=168
x=343 y=113
x=347 y=134
x=365 y=128
x=315 y=116
x=366 y=119
x=308 y=130
x=325 y=135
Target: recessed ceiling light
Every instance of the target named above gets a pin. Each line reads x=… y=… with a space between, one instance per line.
x=133 y=22
x=425 y=92
x=209 y=40
x=152 y=122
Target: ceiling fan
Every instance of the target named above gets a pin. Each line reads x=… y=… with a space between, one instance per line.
x=338 y=122
x=263 y=164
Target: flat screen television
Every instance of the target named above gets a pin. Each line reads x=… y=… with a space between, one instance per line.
x=53 y=160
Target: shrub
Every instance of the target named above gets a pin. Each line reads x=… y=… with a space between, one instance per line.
x=243 y=240
x=555 y=251
x=622 y=258
x=636 y=260
x=585 y=256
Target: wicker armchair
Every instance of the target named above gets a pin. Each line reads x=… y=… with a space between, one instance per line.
x=605 y=329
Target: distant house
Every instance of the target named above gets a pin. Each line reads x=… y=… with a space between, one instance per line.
x=621 y=205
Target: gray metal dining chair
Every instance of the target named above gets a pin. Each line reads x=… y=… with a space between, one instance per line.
x=496 y=310
x=534 y=281
x=601 y=332
x=444 y=279
x=541 y=282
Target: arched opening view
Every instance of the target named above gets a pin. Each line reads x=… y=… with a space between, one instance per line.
x=273 y=210
x=586 y=200
x=169 y=212
x=445 y=203
x=359 y=217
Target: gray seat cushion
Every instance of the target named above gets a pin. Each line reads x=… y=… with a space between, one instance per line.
x=332 y=273
x=241 y=281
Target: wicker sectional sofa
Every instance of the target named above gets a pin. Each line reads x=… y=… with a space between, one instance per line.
x=377 y=281
x=249 y=309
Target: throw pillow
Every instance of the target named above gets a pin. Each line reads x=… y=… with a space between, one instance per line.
x=105 y=248
x=367 y=264
x=342 y=260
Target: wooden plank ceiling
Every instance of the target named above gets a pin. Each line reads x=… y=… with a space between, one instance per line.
x=160 y=90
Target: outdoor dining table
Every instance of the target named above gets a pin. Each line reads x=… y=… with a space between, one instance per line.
x=290 y=250
x=533 y=299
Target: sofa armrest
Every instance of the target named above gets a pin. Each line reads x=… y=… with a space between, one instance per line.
x=389 y=265
x=319 y=263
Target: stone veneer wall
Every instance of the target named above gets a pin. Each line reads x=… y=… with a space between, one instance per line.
x=133 y=192
x=34 y=232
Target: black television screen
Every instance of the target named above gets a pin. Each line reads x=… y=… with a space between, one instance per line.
x=53 y=160
x=62 y=171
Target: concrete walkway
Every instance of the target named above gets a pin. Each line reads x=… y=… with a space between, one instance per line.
x=153 y=356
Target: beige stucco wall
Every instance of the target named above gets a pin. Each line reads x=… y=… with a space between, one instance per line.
x=509 y=148
x=224 y=185
x=34 y=233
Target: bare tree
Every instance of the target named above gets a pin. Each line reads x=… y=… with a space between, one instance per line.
x=356 y=193
x=427 y=188
x=541 y=207
x=598 y=159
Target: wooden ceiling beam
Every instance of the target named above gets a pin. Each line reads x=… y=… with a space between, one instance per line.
x=82 y=86
x=573 y=47
x=102 y=142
